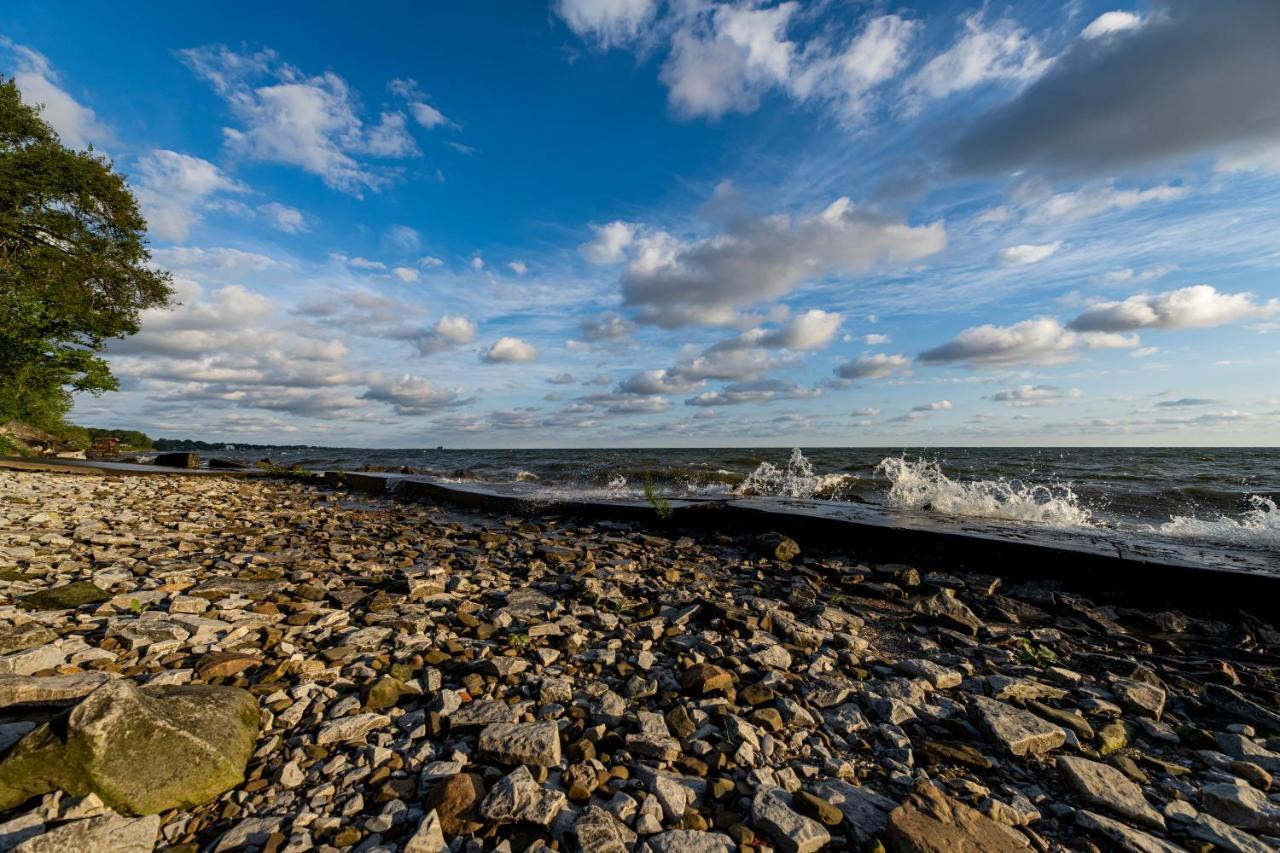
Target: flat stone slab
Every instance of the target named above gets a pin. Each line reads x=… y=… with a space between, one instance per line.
x=522 y=743
x=1104 y=785
x=791 y=831
x=48 y=689
x=1122 y=836
x=1020 y=732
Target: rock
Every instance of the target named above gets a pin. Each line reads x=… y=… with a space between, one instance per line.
x=1140 y=697
x=939 y=676
x=945 y=609
x=49 y=689
x=11 y=733
x=928 y=821
x=249 y=833
x=599 y=831
x=429 y=838
x=522 y=743
x=792 y=832
x=1232 y=704
x=1242 y=806
x=177 y=460
x=517 y=797
x=1104 y=785
x=703 y=678
x=1018 y=731
x=690 y=841
x=456 y=802
x=1113 y=737
x=476 y=715
x=1122 y=836
x=385 y=693
x=1236 y=745
x=19 y=637
x=1209 y=828
x=775 y=546
x=141 y=750
x=67 y=597
x=817 y=808
x=225 y=664
x=865 y=812
x=109 y=833
x=28 y=661
x=347 y=729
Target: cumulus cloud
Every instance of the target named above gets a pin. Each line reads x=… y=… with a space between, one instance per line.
x=1027 y=253
x=1198 y=306
x=607 y=22
x=308 y=121
x=708 y=281
x=607 y=326
x=983 y=52
x=518 y=267
x=875 y=339
x=1034 y=395
x=449 y=332
x=877 y=365
x=1194 y=78
x=406 y=274
x=938 y=406
x=220 y=260
x=39 y=83
x=409 y=395
x=509 y=350
x=422 y=112
x=758 y=391
x=284 y=218
x=1042 y=340
x=811 y=330
x=1111 y=22
x=175 y=189
x=1185 y=402
x=657 y=382
x=610 y=243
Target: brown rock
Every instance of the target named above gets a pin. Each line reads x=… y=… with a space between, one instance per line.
x=703 y=678
x=928 y=821
x=456 y=801
x=225 y=664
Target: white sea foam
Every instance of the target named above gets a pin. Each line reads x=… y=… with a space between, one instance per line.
x=921 y=484
x=1257 y=526
x=796 y=480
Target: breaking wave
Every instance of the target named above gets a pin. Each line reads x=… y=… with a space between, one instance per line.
x=1259 y=525
x=922 y=485
x=796 y=479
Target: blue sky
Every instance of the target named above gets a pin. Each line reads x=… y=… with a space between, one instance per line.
x=632 y=222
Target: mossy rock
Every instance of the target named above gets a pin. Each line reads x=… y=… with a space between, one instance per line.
x=68 y=597
x=142 y=750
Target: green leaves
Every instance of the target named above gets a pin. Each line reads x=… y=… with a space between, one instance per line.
x=75 y=270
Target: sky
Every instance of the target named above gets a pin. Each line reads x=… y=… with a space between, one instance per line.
x=680 y=222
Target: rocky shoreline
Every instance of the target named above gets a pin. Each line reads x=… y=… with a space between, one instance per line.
x=205 y=663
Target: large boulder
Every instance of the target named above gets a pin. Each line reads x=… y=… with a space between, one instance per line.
x=142 y=750
x=928 y=821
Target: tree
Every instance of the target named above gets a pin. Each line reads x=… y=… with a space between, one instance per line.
x=75 y=270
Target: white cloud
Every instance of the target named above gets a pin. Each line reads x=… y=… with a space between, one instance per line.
x=226 y=261
x=938 y=406
x=707 y=281
x=363 y=263
x=1034 y=395
x=607 y=22
x=1128 y=275
x=811 y=330
x=610 y=243
x=509 y=350
x=1109 y=23
x=76 y=124
x=1081 y=204
x=758 y=391
x=402 y=238
x=406 y=274
x=607 y=326
x=1027 y=253
x=448 y=332
x=311 y=122
x=657 y=382
x=982 y=53
x=866 y=413
x=518 y=267
x=430 y=262
x=1042 y=340
x=422 y=112
x=174 y=189
x=284 y=218
x=410 y=395
x=477 y=263
x=875 y=340
x=874 y=366
x=1198 y=306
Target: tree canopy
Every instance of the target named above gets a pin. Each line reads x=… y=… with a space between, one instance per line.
x=75 y=270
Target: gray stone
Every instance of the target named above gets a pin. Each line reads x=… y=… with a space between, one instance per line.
x=937 y=675
x=522 y=743
x=110 y=833
x=25 y=636
x=1140 y=697
x=1208 y=828
x=34 y=659
x=481 y=713
x=1104 y=785
x=791 y=831
x=1242 y=806
x=1122 y=836
x=429 y=838
x=517 y=797
x=249 y=832
x=348 y=729
x=48 y=689
x=865 y=811
x=1232 y=704
x=1018 y=731
x=600 y=832
x=945 y=609
x=1245 y=749
x=690 y=841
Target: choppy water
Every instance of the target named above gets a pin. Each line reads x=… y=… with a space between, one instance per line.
x=1208 y=495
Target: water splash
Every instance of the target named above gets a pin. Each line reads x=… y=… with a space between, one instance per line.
x=1257 y=526
x=796 y=480
x=921 y=484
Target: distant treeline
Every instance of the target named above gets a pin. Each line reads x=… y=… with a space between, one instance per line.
x=129 y=439
x=186 y=444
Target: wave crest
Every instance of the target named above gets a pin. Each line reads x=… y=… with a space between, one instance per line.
x=795 y=480
x=922 y=485
x=1259 y=525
